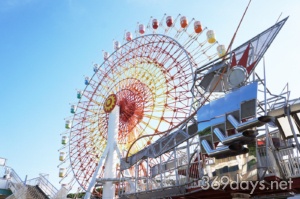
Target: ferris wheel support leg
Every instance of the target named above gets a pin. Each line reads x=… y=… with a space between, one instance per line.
x=112 y=158
x=96 y=173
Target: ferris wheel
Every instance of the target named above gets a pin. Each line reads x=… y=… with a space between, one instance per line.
x=150 y=79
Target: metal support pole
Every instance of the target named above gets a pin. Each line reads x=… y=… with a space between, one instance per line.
x=292 y=127
x=109 y=156
x=96 y=173
x=200 y=167
x=268 y=144
x=109 y=188
x=126 y=173
x=160 y=170
x=148 y=176
x=136 y=177
x=188 y=159
x=266 y=127
x=176 y=167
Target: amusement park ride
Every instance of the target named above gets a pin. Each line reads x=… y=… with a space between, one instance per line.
x=165 y=116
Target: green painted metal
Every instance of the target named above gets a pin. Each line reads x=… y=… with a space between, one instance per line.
x=5 y=192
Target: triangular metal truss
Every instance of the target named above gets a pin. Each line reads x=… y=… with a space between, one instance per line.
x=248 y=55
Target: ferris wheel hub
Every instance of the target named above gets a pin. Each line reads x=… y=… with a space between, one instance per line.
x=110 y=103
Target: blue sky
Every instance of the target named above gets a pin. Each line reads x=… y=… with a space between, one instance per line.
x=46 y=48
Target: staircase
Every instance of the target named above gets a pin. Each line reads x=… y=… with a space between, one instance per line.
x=37 y=188
x=31 y=192
x=35 y=192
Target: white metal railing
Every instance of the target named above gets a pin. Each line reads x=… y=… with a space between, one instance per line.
x=180 y=168
x=19 y=188
x=47 y=187
x=33 y=182
x=289 y=162
x=15 y=184
x=42 y=182
x=14 y=176
x=3 y=178
x=186 y=169
x=267 y=165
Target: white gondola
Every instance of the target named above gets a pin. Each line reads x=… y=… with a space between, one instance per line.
x=96 y=68
x=86 y=80
x=105 y=55
x=62 y=156
x=79 y=94
x=73 y=108
x=128 y=36
x=211 y=38
x=64 y=140
x=62 y=172
x=116 y=45
x=221 y=50
x=68 y=124
x=141 y=29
